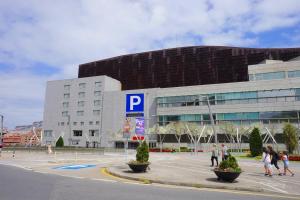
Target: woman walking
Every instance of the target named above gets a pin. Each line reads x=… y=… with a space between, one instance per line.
x=274 y=159
x=266 y=159
x=285 y=159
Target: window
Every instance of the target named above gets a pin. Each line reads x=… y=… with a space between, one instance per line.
x=97 y=93
x=270 y=76
x=79 y=113
x=91 y=123
x=77 y=133
x=293 y=74
x=65 y=113
x=65 y=104
x=82 y=85
x=97 y=122
x=74 y=123
x=94 y=132
x=81 y=123
x=67 y=96
x=62 y=123
x=67 y=87
x=251 y=77
x=97 y=84
x=81 y=94
x=80 y=103
x=75 y=142
x=96 y=112
x=97 y=103
x=47 y=133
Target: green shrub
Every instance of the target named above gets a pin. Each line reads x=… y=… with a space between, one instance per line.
x=290 y=137
x=255 y=143
x=142 y=154
x=230 y=164
x=60 y=142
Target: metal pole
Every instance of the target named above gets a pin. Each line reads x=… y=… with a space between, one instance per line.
x=212 y=121
x=69 y=121
x=1 y=129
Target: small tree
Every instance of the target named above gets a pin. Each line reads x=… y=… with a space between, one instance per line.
x=255 y=142
x=142 y=154
x=60 y=142
x=290 y=137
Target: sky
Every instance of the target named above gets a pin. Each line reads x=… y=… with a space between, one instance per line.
x=47 y=40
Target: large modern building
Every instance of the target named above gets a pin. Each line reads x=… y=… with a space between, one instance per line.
x=266 y=92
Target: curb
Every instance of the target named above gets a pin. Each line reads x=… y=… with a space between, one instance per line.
x=195 y=185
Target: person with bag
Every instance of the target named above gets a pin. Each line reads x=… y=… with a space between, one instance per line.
x=274 y=159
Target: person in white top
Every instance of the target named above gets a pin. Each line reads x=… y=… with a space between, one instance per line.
x=266 y=159
x=224 y=152
x=285 y=160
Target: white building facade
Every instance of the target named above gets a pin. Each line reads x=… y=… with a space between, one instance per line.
x=272 y=96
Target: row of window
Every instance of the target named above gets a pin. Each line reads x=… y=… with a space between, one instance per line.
x=81 y=113
x=78 y=123
x=82 y=94
x=274 y=75
x=81 y=103
x=82 y=86
x=262 y=96
x=231 y=116
x=76 y=133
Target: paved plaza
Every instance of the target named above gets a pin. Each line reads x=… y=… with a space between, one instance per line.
x=184 y=169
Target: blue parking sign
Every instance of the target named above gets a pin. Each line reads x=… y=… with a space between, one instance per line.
x=135 y=102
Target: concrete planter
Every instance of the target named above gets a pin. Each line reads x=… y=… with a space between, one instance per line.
x=226 y=175
x=138 y=167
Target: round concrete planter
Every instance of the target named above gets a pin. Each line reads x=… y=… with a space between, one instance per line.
x=138 y=167
x=226 y=176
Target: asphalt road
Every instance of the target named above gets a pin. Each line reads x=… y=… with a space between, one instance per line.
x=20 y=184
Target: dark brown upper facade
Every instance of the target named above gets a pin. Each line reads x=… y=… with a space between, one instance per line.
x=196 y=65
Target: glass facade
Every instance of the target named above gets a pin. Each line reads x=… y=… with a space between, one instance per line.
x=262 y=96
x=270 y=76
x=293 y=74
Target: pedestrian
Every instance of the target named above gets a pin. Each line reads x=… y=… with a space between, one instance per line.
x=214 y=155
x=266 y=159
x=224 y=152
x=285 y=159
x=274 y=159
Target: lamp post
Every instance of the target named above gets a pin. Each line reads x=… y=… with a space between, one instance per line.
x=211 y=119
x=2 y=117
x=69 y=122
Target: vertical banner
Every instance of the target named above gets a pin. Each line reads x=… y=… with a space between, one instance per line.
x=140 y=126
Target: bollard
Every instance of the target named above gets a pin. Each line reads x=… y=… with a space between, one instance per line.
x=14 y=152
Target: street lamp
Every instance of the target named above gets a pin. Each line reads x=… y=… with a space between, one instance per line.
x=69 y=122
x=211 y=118
x=2 y=117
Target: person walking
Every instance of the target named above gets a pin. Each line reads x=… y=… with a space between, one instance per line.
x=274 y=159
x=224 y=152
x=266 y=159
x=214 y=155
x=285 y=159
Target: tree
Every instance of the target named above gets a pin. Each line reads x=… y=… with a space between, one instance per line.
x=161 y=132
x=255 y=142
x=290 y=137
x=60 y=142
x=179 y=129
x=142 y=153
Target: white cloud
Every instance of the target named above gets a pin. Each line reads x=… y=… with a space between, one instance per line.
x=67 y=33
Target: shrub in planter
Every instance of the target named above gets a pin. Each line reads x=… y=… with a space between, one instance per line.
x=142 y=158
x=228 y=170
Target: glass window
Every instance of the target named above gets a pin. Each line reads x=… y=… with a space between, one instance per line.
x=297 y=94
x=82 y=85
x=293 y=74
x=62 y=123
x=97 y=93
x=81 y=94
x=65 y=104
x=81 y=123
x=48 y=133
x=79 y=113
x=74 y=123
x=97 y=102
x=98 y=84
x=80 y=103
x=251 y=77
x=77 y=133
x=96 y=112
x=278 y=115
x=97 y=122
x=91 y=123
x=65 y=113
x=67 y=96
x=270 y=76
x=67 y=87
x=94 y=132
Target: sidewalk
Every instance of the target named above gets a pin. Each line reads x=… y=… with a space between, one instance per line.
x=184 y=169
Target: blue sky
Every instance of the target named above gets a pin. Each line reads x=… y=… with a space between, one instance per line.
x=47 y=40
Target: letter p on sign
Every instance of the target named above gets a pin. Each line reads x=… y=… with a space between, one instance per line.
x=134 y=102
